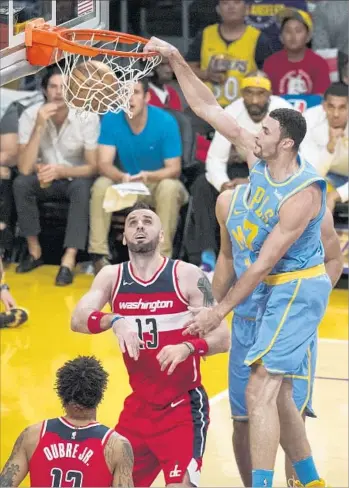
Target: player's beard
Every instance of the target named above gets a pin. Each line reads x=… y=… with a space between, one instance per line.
x=143 y=247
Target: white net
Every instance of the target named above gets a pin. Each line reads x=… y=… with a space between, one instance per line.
x=104 y=83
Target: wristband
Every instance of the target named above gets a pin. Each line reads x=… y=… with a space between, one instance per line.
x=115 y=319
x=200 y=346
x=94 y=322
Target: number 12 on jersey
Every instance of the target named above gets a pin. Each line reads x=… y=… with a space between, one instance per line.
x=153 y=331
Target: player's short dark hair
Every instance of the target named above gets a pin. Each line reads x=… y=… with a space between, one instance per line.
x=139 y=206
x=82 y=382
x=337 y=89
x=292 y=124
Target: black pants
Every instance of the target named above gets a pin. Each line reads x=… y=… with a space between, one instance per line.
x=27 y=192
x=204 y=229
x=6 y=212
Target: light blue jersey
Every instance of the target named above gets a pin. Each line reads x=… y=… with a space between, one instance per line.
x=241 y=253
x=265 y=201
x=244 y=328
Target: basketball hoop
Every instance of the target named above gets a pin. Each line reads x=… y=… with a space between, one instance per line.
x=100 y=88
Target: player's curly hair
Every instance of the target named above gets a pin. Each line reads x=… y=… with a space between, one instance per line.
x=81 y=382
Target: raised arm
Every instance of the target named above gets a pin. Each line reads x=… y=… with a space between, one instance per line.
x=16 y=467
x=224 y=274
x=201 y=99
x=333 y=253
x=119 y=458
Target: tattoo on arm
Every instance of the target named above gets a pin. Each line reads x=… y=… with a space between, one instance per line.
x=119 y=457
x=8 y=476
x=204 y=286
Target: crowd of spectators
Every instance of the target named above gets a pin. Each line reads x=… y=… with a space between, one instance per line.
x=255 y=55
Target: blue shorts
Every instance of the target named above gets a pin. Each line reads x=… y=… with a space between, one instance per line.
x=244 y=332
x=287 y=321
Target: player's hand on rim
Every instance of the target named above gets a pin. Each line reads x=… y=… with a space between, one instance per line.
x=158 y=45
x=128 y=339
x=205 y=319
x=172 y=355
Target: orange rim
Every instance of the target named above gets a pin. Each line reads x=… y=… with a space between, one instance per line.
x=41 y=40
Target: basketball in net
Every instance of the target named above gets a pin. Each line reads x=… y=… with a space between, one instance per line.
x=100 y=67
x=92 y=82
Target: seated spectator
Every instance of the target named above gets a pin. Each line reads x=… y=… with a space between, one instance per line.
x=161 y=94
x=297 y=70
x=149 y=149
x=222 y=54
x=8 y=161
x=263 y=16
x=325 y=145
x=57 y=159
x=225 y=164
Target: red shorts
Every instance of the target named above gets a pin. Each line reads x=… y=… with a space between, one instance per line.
x=171 y=439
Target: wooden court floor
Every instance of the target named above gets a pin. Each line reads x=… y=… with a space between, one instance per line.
x=31 y=354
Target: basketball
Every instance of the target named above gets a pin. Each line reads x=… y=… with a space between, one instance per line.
x=93 y=81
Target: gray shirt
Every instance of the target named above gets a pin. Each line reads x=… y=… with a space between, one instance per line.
x=331 y=25
x=67 y=145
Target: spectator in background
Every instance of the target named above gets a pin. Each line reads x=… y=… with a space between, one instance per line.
x=262 y=15
x=331 y=25
x=297 y=70
x=225 y=164
x=57 y=159
x=162 y=94
x=222 y=54
x=325 y=145
x=149 y=150
x=8 y=162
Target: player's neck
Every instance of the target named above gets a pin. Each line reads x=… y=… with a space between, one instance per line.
x=282 y=167
x=80 y=417
x=296 y=56
x=145 y=265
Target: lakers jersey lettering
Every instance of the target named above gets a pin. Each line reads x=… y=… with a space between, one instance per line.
x=237 y=59
x=266 y=199
x=235 y=224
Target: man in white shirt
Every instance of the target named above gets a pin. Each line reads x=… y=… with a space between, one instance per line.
x=325 y=145
x=225 y=164
x=57 y=159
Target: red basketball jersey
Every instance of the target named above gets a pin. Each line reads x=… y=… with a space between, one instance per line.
x=158 y=312
x=67 y=456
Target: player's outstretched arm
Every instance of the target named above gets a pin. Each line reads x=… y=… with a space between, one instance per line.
x=294 y=216
x=224 y=274
x=119 y=458
x=201 y=99
x=16 y=468
x=333 y=254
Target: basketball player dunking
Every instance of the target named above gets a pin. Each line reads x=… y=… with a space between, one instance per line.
x=167 y=415
x=283 y=232
x=74 y=450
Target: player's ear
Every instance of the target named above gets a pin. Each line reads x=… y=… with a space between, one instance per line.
x=147 y=97
x=287 y=144
x=161 y=236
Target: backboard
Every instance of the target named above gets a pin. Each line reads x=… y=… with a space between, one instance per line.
x=14 y=14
